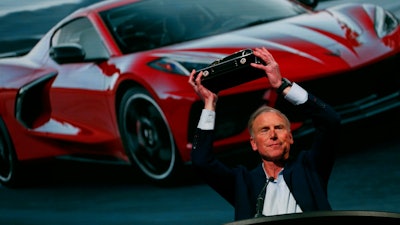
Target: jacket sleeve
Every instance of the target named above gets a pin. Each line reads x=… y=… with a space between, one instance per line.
x=216 y=174
x=327 y=135
x=307 y=173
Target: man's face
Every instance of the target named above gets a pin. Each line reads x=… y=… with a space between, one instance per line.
x=272 y=137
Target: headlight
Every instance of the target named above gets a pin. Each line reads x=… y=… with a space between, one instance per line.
x=169 y=66
x=385 y=22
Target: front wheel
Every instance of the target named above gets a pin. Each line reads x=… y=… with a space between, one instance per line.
x=146 y=136
x=8 y=159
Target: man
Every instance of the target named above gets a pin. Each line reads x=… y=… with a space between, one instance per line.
x=281 y=184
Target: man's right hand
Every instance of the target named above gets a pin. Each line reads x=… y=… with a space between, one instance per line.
x=208 y=97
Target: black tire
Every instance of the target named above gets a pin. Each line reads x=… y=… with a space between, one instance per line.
x=146 y=136
x=8 y=159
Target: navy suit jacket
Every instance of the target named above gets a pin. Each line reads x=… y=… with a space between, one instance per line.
x=306 y=174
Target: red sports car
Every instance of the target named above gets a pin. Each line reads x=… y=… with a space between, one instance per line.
x=109 y=82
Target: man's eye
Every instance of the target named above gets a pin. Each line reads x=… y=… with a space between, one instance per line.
x=265 y=130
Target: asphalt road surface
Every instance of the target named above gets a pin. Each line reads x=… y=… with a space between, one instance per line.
x=366 y=176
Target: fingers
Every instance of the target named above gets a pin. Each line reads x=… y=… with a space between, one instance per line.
x=270 y=66
x=196 y=83
x=191 y=76
x=193 y=81
x=258 y=65
x=264 y=54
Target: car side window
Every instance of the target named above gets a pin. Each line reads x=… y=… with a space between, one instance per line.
x=81 y=32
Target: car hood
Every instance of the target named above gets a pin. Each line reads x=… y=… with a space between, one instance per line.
x=309 y=45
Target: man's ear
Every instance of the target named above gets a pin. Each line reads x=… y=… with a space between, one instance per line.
x=253 y=144
x=291 y=138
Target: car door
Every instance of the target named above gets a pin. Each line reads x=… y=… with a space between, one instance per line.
x=81 y=96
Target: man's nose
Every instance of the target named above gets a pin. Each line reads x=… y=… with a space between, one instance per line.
x=272 y=133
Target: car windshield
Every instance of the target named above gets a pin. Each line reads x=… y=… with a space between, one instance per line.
x=151 y=24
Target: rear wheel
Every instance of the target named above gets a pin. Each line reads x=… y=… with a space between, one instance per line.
x=8 y=159
x=146 y=135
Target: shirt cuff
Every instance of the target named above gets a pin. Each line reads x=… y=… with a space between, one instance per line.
x=296 y=95
x=207 y=120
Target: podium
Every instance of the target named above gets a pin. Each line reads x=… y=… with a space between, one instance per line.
x=326 y=217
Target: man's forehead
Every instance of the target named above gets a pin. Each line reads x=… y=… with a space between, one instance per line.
x=269 y=117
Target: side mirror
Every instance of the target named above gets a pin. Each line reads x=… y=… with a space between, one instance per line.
x=67 y=53
x=309 y=3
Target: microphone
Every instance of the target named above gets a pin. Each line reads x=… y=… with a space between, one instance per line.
x=260 y=198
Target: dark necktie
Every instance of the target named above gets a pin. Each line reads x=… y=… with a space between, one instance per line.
x=260 y=199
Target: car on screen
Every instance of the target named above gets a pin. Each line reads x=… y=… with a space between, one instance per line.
x=109 y=82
